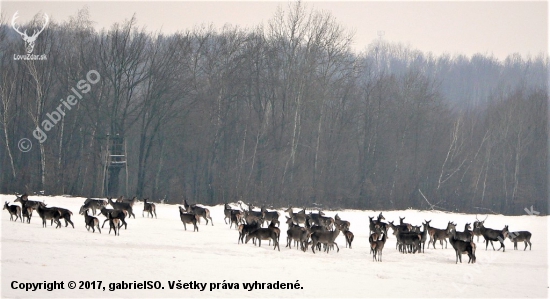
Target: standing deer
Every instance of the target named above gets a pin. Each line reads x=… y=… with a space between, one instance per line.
x=95 y=205
x=14 y=211
x=476 y=230
x=114 y=224
x=263 y=234
x=462 y=247
x=378 y=247
x=326 y=238
x=91 y=222
x=149 y=208
x=199 y=211
x=47 y=214
x=270 y=216
x=189 y=218
x=521 y=236
x=441 y=234
x=122 y=206
x=491 y=235
x=297 y=218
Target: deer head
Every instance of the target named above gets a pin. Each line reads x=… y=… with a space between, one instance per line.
x=29 y=40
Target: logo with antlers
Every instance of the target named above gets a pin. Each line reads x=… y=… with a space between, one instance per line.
x=29 y=40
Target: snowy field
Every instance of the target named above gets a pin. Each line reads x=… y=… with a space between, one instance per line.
x=161 y=250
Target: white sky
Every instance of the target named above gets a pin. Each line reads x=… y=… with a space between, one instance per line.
x=457 y=27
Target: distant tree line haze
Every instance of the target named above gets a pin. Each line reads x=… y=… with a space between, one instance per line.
x=282 y=114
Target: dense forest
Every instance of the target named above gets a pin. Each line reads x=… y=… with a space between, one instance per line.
x=282 y=114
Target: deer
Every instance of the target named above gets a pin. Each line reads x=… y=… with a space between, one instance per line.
x=29 y=40
x=275 y=229
x=424 y=236
x=462 y=247
x=491 y=235
x=270 y=216
x=189 y=218
x=396 y=230
x=401 y=221
x=297 y=218
x=476 y=230
x=521 y=236
x=235 y=218
x=199 y=211
x=408 y=239
x=65 y=214
x=466 y=235
x=228 y=212
x=263 y=234
x=91 y=222
x=129 y=201
x=114 y=224
x=150 y=208
x=344 y=225
x=120 y=214
x=122 y=206
x=14 y=210
x=95 y=205
x=325 y=238
x=377 y=248
x=245 y=229
x=294 y=233
x=441 y=234
x=27 y=206
x=47 y=214
x=347 y=234
x=315 y=219
x=251 y=217
x=372 y=241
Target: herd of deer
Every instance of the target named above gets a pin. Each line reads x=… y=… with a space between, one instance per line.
x=116 y=216
x=304 y=229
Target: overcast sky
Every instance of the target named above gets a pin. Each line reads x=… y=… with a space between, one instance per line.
x=458 y=27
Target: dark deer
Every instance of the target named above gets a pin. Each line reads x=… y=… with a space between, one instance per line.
x=65 y=214
x=263 y=234
x=47 y=214
x=27 y=206
x=441 y=234
x=349 y=236
x=228 y=212
x=150 y=208
x=245 y=229
x=14 y=210
x=408 y=239
x=119 y=214
x=114 y=224
x=189 y=218
x=378 y=247
x=297 y=218
x=466 y=235
x=122 y=206
x=325 y=238
x=294 y=233
x=199 y=211
x=521 y=236
x=491 y=235
x=91 y=222
x=270 y=216
x=129 y=201
x=462 y=247
x=477 y=231
x=95 y=205
x=343 y=224
x=235 y=218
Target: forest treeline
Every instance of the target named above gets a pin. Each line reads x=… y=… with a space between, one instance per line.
x=281 y=114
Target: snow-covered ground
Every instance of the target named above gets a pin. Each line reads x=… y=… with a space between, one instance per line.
x=160 y=250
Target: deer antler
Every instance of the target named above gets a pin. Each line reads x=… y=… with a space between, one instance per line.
x=15 y=16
